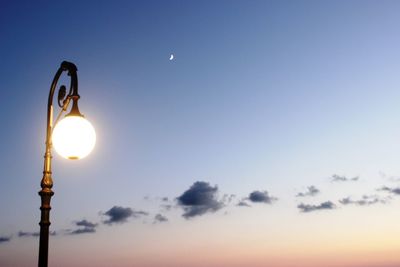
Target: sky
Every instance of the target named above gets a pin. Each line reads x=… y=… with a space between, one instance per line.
x=272 y=139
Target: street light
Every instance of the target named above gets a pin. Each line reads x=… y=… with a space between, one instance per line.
x=73 y=138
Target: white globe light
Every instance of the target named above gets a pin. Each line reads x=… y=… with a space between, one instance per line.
x=73 y=137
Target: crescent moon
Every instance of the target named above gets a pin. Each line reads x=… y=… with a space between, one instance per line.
x=171 y=57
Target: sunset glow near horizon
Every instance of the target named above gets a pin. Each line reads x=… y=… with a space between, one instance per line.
x=228 y=133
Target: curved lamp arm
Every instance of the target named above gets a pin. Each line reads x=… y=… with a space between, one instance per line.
x=73 y=93
x=69 y=67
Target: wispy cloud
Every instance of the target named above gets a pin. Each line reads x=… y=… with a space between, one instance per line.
x=228 y=198
x=118 y=215
x=199 y=199
x=159 y=218
x=389 y=177
x=85 y=227
x=393 y=190
x=366 y=200
x=86 y=223
x=33 y=234
x=28 y=234
x=4 y=239
x=261 y=197
x=166 y=207
x=328 y=205
x=342 y=178
x=243 y=204
x=311 y=191
x=84 y=230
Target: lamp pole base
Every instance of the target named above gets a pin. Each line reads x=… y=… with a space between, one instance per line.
x=45 y=195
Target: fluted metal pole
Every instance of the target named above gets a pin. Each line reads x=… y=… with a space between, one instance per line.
x=45 y=194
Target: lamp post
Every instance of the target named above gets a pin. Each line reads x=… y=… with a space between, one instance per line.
x=73 y=138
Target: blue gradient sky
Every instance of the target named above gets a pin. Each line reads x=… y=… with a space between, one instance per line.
x=261 y=95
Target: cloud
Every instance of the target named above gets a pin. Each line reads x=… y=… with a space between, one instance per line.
x=328 y=205
x=199 y=199
x=261 y=197
x=138 y=213
x=228 y=198
x=393 y=190
x=84 y=230
x=166 y=204
x=311 y=191
x=389 y=177
x=85 y=223
x=85 y=227
x=159 y=218
x=166 y=207
x=26 y=234
x=338 y=178
x=364 y=201
x=33 y=234
x=242 y=204
x=120 y=214
x=4 y=239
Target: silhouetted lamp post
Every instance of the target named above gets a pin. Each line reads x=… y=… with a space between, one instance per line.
x=73 y=137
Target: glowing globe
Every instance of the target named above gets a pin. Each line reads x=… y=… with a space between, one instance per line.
x=73 y=137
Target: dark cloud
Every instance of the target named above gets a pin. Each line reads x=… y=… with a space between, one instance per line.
x=199 y=199
x=328 y=205
x=339 y=178
x=243 y=204
x=393 y=190
x=33 y=234
x=261 y=197
x=84 y=230
x=86 y=227
x=86 y=223
x=364 y=201
x=159 y=218
x=120 y=214
x=311 y=191
x=4 y=239
x=165 y=199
